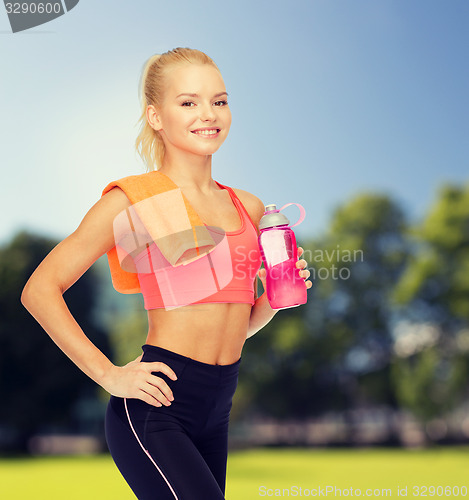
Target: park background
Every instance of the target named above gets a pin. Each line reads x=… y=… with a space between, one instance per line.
x=356 y=110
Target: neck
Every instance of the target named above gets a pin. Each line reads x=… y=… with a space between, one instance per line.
x=189 y=171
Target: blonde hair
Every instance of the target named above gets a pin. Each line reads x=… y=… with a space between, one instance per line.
x=149 y=143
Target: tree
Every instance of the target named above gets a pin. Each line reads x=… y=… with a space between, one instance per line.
x=334 y=352
x=40 y=384
x=431 y=368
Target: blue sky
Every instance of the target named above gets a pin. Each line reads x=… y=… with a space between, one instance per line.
x=329 y=98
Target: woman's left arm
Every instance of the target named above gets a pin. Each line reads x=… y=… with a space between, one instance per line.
x=261 y=312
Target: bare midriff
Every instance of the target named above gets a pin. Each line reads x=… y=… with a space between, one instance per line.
x=211 y=333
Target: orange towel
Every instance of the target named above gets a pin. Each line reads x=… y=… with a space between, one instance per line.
x=159 y=213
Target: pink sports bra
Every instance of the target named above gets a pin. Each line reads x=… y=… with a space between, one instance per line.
x=225 y=274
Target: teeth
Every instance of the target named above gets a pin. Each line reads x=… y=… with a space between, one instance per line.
x=206 y=132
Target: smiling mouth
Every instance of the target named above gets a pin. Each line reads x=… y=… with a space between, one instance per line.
x=206 y=132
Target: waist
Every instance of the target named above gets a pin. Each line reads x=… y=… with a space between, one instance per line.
x=211 y=333
x=156 y=353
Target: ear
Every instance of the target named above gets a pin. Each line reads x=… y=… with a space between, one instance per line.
x=153 y=118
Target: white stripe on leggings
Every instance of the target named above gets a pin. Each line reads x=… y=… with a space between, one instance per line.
x=146 y=451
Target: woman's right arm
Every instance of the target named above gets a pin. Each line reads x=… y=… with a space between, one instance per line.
x=43 y=298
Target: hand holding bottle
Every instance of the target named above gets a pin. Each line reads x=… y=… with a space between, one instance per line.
x=279 y=253
x=300 y=264
x=304 y=272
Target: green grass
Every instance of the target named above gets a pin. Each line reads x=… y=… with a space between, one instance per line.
x=276 y=473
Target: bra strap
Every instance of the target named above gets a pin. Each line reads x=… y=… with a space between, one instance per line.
x=240 y=203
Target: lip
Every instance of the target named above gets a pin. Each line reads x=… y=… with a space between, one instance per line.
x=206 y=136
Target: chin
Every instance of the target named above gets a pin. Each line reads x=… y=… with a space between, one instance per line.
x=207 y=150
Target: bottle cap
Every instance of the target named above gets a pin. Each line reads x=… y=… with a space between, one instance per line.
x=272 y=217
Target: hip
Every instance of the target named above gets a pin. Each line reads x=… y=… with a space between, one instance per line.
x=202 y=393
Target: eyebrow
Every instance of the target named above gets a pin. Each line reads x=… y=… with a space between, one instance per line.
x=197 y=95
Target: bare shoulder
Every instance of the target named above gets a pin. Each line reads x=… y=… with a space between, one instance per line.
x=94 y=236
x=115 y=200
x=97 y=224
x=101 y=215
x=95 y=231
x=254 y=205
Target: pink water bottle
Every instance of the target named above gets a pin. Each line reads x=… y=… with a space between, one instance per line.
x=284 y=286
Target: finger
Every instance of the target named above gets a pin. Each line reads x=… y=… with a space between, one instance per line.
x=148 y=398
x=152 y=388
x=158 y=366
x=301 y=264
x=166 y=392
x=300 y=251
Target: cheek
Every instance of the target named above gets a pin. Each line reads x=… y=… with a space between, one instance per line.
x=227 y=119
x=178 y=119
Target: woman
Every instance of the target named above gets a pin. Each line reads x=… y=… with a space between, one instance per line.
x=167 y=418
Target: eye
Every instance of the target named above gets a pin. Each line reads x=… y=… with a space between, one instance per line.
x=221 y=103
x=187 y=103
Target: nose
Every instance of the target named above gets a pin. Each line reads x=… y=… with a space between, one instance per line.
x=207 y=113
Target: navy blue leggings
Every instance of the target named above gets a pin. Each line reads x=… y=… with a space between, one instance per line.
x=177 y=451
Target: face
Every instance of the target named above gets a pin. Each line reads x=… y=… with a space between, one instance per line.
x=194 y=116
